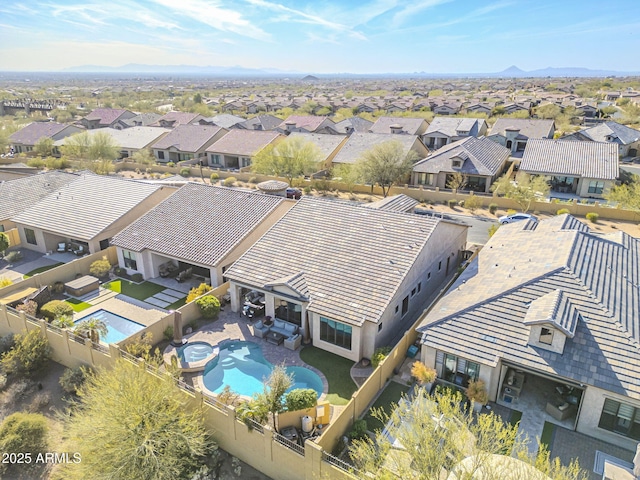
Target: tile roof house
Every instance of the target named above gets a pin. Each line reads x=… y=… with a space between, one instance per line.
x=24 y=139
x=395 y=203
x=20 y=194
x=223 y=120
x=237 y=147
x=400 y=125
x=307 y=124
x=585 y=169
x=107 y=117
x=143 y=119
x=260 y=122
x=186 y=142
x=627 y=138
x=443 y=130
x=554 y=301
x=480 y=160
x=174 y=119
x=353 y=124
x=76 y=212
x=329 y=145
x=129 y=140
x=358 y=143
x=352 y=278
x=198 y=227
x=514 y=133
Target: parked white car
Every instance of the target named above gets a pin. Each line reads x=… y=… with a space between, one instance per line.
x=516 y=217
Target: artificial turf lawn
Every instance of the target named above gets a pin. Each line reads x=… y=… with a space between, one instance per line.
x=547 y=434
x=390 y=395
x=41 y=269
x=177 y=304
x=515 y=417
x=337 y=371
x=139 y=291
x=77 y=305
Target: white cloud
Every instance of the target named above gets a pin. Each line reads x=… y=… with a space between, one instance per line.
x=412 y=9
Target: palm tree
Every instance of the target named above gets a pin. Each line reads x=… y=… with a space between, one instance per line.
x=63 y=321
x=94 y=328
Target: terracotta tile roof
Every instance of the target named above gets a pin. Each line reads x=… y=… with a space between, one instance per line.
x=33 y=132
x=105 y=116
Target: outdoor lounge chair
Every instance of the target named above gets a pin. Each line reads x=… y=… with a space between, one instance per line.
x=62 y=247
x=79 y=251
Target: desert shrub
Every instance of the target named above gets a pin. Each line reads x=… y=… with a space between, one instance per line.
x=229 y=181
x=379 y=355
x=100 y=268
x=119 y=271
x=55 y=308
x=359 y=429
x=171 y=164
x=136 y=277
x=422 y=373
x=209 y=306
x=140 y=346
x=307 y=190
x=493 y=229
x=451 y=203
x=493 y=208
x=593 y=217
x=320 y=185
x=300 y=399
x=29 y=307
x=562 y=211
x=13 y=257
x=5 y=282
x=167 y=334
x=477 y=391
x=185 y=172
x=473 y=202
x=53 y=163
x=73 y=378
x=511 y=211
x=39 y=401
x=214 y=176
x=253 y=180
x=35 y=162
x=57 y=287
x=198 y=291
x=29 y=354
x=7 y=342
x=24 y=433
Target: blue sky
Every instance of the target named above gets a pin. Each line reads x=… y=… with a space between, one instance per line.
x=323 y=36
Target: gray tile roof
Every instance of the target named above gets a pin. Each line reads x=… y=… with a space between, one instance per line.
x=308 y=122
x=266 y=122
x=599 y=133
x=360 y=142
x=452 y=125
x=178 y=118
x=20 y=194
x=243 y=142
x=529 y=128
x=481 y=157
x=187 y=138
x=565 y=157
x=133 y=138
x=85 y=207
x=352 y=258
x=199 y=223
x=358 y=124
x=396 y=203
x=223 y=120
x=326 y=143
x=589 y=282
x=142 y=119
x=410 y=126
x=33 y=132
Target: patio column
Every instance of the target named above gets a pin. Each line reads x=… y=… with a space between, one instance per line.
x=177 y=329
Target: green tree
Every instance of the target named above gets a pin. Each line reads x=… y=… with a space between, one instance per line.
x=130 y=424
x=23 y=433
x=93 y=328
x=96 y=151
x=30 y=353
x=144 y=156
x=385 y=164
x=4 y=243
x=44 y=147
x=438 y=436
x=347 y=174
x=457 y=181
x=550 y=110
x=274 y=389
x=290 y=158
x=627 y=195
x=301 y=398
x=525 y=189
x=197 y=98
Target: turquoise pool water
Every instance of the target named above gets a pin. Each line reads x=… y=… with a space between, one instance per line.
x=241 y=366
x=195 y=351
x=118 y=328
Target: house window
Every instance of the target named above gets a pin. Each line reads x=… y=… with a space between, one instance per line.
x=160 y=155
x=456 y=370
x=397 y=308
x=30 y=236
x=596 y=186
x=428 y=276
x=130 y=259
x=424 y=178
x=456 y=163
x=289 y=311
x=335 y=333
x=1 y=228
x=620 y=418
x=419 y=286
x=546 y=336
x=380 y=326
x=413 y=292
x=405 y=305
x=440 y=265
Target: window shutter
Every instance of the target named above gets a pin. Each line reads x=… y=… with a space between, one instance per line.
x=610 y=407
x=462 y=365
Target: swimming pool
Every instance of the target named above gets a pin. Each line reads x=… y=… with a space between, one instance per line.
x=241 y=365
x=118 y=327
x=195 y=351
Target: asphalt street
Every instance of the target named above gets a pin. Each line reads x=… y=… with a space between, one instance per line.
x=479 y=227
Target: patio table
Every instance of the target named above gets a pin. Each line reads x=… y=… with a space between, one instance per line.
x=275 y=338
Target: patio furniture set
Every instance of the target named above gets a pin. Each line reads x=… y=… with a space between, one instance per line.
x=280 y=331
x=78 y=250
x=171 y=270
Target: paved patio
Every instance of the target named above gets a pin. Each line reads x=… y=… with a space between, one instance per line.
x=234 y=326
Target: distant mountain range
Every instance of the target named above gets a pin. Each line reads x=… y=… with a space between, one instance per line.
x=511 y=72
